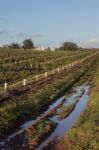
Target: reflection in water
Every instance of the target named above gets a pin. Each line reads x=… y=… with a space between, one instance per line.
x=67 y=123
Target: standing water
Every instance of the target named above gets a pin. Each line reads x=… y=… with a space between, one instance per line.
x=80 y=96
x=67 y=123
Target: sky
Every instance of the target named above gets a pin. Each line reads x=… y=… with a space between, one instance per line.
x=50 y=22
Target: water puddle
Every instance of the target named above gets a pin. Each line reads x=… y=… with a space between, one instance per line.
x=69 y=100
x=80 y=95
x=67 y=123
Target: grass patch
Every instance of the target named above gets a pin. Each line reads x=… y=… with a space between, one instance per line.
x=85 y=134
x=13 y=113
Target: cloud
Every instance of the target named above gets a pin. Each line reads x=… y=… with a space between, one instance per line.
x=91 y=43
x=37 y=35
x=21 y=34
x=7 y=33
x=3 y=32
x=25 y=35
x=94 y=40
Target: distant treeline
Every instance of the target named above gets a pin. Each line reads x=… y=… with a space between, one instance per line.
x=28 y=44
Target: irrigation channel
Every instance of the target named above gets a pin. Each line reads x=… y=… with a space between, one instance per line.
x=81 y=97
x=76 y=101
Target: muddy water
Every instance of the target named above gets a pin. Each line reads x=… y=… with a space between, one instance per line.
x=68 y=101
x=29 y=123
x=67 y=123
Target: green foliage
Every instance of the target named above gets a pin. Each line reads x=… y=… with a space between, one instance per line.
x=40 y=126
x=69 y=46
x=39 y=129
x=85 y=134
x=16 y=64
x=14 y=46
x=31 y=104
x=63 y=110
x=28 y=44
